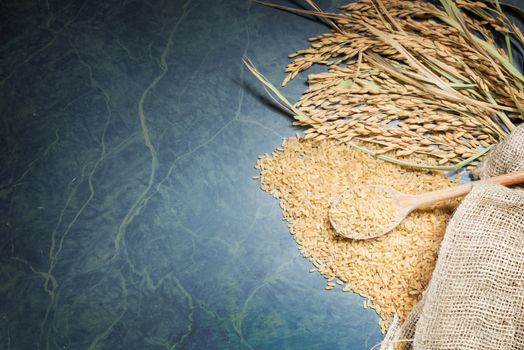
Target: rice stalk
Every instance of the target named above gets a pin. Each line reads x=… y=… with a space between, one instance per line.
x=409 y=79
x=284 y=102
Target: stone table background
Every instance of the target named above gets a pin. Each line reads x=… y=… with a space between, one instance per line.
x=129 y=219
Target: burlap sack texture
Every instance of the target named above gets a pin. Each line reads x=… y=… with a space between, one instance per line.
x=475 y=299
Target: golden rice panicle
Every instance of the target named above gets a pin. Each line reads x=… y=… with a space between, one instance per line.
x=462 y=101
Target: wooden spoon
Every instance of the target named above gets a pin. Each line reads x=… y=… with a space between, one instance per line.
x=406 y=203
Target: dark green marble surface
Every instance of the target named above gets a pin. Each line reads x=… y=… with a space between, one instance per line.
x=129 y=219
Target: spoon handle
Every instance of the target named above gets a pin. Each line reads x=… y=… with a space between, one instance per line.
x=508 y=179
x=458 y=191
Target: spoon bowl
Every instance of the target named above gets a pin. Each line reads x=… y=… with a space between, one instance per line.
x=403 y=204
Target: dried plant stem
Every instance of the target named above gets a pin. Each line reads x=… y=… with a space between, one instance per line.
x=409 y=81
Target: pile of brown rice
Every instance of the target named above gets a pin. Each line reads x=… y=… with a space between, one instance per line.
x=391 y=271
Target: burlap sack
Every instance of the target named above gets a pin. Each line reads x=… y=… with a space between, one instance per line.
x=475 y=299
x=507 y=157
